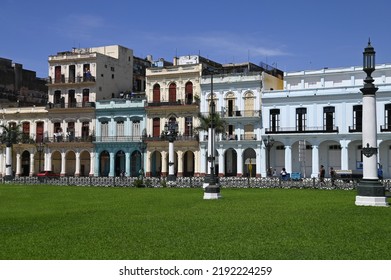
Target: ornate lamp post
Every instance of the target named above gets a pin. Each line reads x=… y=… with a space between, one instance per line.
x=212 y=188
x=370 y=192
x=268 y=142
x=40 y=148
x=170 y=133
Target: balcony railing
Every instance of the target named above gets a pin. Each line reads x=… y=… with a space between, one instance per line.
x=178 y=138
x=230 y=137
x=118 y=138
x=71 y=80
x=241 y=113
x=237 y=114
x=70 y=105
x=318 y=129
x=60 y=138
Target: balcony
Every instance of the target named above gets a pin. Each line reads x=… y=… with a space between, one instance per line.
x=296 y=130
x=70 y=105
x=241 y=114
x=237 y=114
x=178 y=138
x=61 y=138
x=70 y=80
x=106 y=139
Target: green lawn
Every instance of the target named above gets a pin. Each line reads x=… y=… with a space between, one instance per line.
x=52 y=222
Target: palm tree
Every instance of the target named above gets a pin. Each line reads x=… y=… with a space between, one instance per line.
x=10 y=135
x=205 y=121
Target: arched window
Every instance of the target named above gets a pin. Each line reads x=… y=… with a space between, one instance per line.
x=156 y=93
x=189 y=93
x=156 y=127
x=172 y=93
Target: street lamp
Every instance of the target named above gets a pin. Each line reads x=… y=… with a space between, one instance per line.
x=268 y=142
x=370 y=192
x=40 y=148
x=212 y=188
x=170 y=133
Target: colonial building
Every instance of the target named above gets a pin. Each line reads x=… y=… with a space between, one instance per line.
x=28 y=156
x=237 y=93
x=173 y=97
x=119 y=146
x=317 y=120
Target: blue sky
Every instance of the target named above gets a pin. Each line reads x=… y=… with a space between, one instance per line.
x=292 y=35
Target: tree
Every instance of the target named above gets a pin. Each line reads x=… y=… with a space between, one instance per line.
x=205 y=120
x=10 y=135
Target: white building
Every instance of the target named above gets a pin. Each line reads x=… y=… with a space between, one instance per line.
x=317 y=120
x=237 y=95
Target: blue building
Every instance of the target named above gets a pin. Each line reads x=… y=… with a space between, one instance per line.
x=119 y=145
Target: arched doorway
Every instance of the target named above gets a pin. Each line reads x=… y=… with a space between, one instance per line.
x=249 y=163
x=156 y=164
x=104 y=163
x=85 y=163
x=70 y=163
x=119 y=164
x=135 y=164
x=26 y=164
x=188 y=164
x=231 y=160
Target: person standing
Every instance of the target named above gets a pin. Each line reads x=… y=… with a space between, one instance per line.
x=322 y=172
x=333 y=176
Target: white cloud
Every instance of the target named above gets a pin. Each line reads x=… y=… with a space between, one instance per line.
x=219 y=46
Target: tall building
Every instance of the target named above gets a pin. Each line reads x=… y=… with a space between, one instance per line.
x=173 y=93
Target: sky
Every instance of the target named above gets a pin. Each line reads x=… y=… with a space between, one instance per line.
x=290 y=35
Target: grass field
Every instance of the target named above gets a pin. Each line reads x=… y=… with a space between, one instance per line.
x=52 y=222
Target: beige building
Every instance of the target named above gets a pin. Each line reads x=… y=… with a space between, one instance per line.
x=173 y=96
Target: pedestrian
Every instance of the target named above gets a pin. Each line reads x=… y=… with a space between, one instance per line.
x=283 y=174
x=333 y=176
x=321 y=174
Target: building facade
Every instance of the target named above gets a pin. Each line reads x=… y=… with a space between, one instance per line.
x=237 y=93
x=317 y=120
x=120 y=127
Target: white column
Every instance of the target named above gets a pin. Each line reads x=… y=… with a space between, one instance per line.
x=263 y=161
x=127 y=163
x=345 y=154
x=92 y=164
x=239 y=163
x=77 y=167
x=171 y=159
x=32 y=165
x=112 y=164
x=63 y=163
x=369 y=136
x=202 y=161
x=18 y=164
x=258 y=152
x=180 y=163
x=315 y=161
x=221 y=162
x=8 y=161
x=288 y=159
